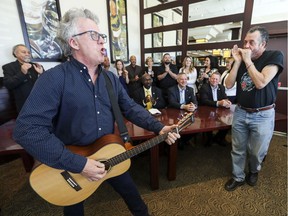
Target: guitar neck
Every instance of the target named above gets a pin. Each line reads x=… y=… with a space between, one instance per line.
x=137 y=150
x=186 y=121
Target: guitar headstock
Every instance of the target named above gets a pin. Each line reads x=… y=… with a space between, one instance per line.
x=185 y=120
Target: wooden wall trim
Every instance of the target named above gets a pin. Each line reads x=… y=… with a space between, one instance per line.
x=276 y=29
x=247 y=18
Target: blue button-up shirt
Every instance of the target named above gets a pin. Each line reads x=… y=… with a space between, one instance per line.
x=214 y=92
x=66 y=108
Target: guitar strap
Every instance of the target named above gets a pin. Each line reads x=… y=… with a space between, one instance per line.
x=116 y=110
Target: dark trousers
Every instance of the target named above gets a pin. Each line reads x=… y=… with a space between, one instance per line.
x=219 y=136
x=126 y=188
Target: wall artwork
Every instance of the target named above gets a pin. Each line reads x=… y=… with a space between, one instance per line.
x=39 y=20
x=157 y=37
x=118 y=30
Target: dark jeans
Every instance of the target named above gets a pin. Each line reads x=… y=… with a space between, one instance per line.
x=123 y=185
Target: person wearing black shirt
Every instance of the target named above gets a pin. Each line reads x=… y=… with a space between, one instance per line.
x=256 y=71
x=166 y=75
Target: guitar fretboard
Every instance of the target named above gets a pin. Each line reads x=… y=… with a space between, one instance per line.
x=189 y=118
x=137 y=150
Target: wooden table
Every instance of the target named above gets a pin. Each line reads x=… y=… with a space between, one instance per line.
x=206 y=119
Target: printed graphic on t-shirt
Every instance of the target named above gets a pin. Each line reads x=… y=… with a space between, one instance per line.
x=246 y=82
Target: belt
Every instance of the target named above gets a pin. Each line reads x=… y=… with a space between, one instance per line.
x=252 y=110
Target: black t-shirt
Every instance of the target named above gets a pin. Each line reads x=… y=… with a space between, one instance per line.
x=168 y=81
x=247 y=94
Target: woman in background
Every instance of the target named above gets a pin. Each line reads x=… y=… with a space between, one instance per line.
x=149 y=62
x=231 y=93
x=191 y=72
x=122 y=73
x=210 y=66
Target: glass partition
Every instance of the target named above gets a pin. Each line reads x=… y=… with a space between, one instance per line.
x=147 y=21
x=157 y=57
x=214 y=8
x=152 y=3
x=215 y=33
x=169 y=38
x=148 y=41
x=165 y=17
x=163 y=39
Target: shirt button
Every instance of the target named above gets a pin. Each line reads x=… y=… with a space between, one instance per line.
x=100 y=129
x=89 y=80
x=98 y=112
x=81 y=71
x=84 y=67
x=95 y=96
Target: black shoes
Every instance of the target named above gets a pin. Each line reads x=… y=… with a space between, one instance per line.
x=251 y=179
x=231 y=185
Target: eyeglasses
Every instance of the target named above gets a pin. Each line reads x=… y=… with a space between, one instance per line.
x=94 y=35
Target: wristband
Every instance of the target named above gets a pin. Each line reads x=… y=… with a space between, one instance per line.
x=249 y=66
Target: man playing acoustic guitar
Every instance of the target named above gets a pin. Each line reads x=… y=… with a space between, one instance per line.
x=69 y=105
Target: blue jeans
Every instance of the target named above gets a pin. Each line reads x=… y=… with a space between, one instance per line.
x=125 y=186
x=251 y=136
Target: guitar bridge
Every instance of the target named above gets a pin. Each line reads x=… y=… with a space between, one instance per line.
x=71 y=181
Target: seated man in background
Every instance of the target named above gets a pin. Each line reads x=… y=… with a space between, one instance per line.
x=149 y=96
x=20 y=75
x=182 y=97
x=213 y=94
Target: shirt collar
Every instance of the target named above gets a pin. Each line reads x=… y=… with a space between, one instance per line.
x=180 y=89
x=147 y=89
x=214 y=88
x=82 y=67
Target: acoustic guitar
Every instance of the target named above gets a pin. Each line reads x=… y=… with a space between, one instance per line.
x=63 y=188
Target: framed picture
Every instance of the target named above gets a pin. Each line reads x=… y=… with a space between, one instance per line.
x=118 y=31
x=157 y=38
x=39 y=20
